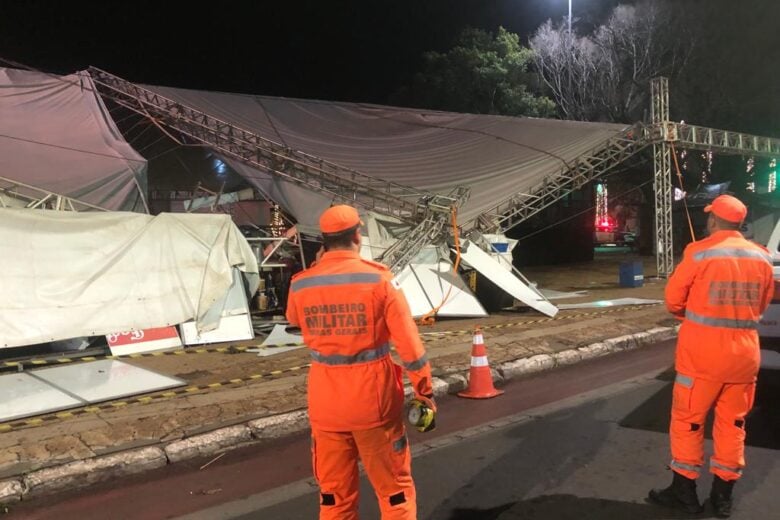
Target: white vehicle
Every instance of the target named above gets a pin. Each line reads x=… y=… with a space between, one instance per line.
x=769 y=327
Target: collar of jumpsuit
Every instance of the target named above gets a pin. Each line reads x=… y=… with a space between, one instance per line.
x=725 y=233
x=338 y=254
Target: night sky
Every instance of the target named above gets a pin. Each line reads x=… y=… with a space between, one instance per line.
x=325 y=49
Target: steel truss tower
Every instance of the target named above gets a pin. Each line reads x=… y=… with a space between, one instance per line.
x=662 y=180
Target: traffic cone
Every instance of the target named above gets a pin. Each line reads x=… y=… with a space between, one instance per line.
x=480 y=379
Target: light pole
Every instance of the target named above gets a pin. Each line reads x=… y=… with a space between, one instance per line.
x=570 y=48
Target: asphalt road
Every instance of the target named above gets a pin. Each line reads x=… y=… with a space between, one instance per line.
x=583 y=442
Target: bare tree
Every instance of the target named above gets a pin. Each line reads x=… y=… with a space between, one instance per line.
x=606 y=75
x=567 y=65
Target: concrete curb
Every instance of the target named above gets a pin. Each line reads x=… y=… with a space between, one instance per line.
x=541 y=362
x=276 y=426
x=207 y=443
x=11 y=491
x=89 y=471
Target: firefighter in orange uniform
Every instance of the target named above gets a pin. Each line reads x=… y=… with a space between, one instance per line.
x=349 y=309
x=720 y=289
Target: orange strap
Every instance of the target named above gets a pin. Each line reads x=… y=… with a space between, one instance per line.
x=429 y=318
x=682 y=188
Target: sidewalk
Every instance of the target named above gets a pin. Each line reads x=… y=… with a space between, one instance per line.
x=264 y=397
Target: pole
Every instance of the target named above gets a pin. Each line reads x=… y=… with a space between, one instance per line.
x=571 y=47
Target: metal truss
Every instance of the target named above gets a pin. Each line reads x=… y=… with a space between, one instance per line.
x=662 y=183
x=427 y=212
x=721 y=141
x=431 y=228
x=660 y=134
x=35 y=198
x=521 y=206
x=340 y=183
x=662 y=179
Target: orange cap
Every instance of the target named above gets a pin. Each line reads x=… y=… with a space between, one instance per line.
x=339 y=218
x=728 y=208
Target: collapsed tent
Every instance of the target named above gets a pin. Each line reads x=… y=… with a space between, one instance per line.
x=68 y=274
x=495 y=156
x=57 y=139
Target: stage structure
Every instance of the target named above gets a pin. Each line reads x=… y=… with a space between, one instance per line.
x=417 y=166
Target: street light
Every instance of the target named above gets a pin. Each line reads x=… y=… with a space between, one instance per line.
x=569 y=18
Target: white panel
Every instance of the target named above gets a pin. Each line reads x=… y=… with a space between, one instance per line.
x=231 y=328
x=506 y=280
x=280 y=337
x=106 y=379
x=270 y=351
x=426 y=284
x=551 y=294
x=23 y=396
x=608 y=303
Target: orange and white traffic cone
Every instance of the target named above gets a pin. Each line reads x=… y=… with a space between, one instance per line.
x=480 y=379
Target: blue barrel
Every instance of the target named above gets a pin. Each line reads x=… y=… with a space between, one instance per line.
x=631 y=274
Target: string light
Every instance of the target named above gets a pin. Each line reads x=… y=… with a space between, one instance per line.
x=707 y=171
x=772 y=176
x=751 y=172
x=277 y=222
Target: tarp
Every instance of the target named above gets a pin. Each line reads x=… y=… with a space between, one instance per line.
x=56 y=135
x=67 y=274
x=496 y=156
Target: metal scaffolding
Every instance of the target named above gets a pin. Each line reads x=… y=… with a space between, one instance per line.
x=661 y=134
x=662 y=178
x=35 y=198
x=427 y=212
x=521 y=206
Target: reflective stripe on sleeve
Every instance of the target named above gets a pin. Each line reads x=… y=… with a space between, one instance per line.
x=732 y=252
x=727 y=323
x=400 y=444
x=361 y=357
x=417 y=364
x=686 y=381
x=335 y=279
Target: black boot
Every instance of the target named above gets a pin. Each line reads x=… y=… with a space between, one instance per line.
x=680 y=495
x=720 y=497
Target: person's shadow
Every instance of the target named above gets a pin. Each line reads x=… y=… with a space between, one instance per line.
x=570 y=507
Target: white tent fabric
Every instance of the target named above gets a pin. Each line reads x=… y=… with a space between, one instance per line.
x=67 y=274
x=494 y=155
x=57 y=136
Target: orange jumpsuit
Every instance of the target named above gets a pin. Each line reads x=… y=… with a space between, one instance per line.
x=349 y=309
x=720 y=289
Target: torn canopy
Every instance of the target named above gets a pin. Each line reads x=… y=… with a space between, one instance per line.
x=96 y=273
x=56 y=136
